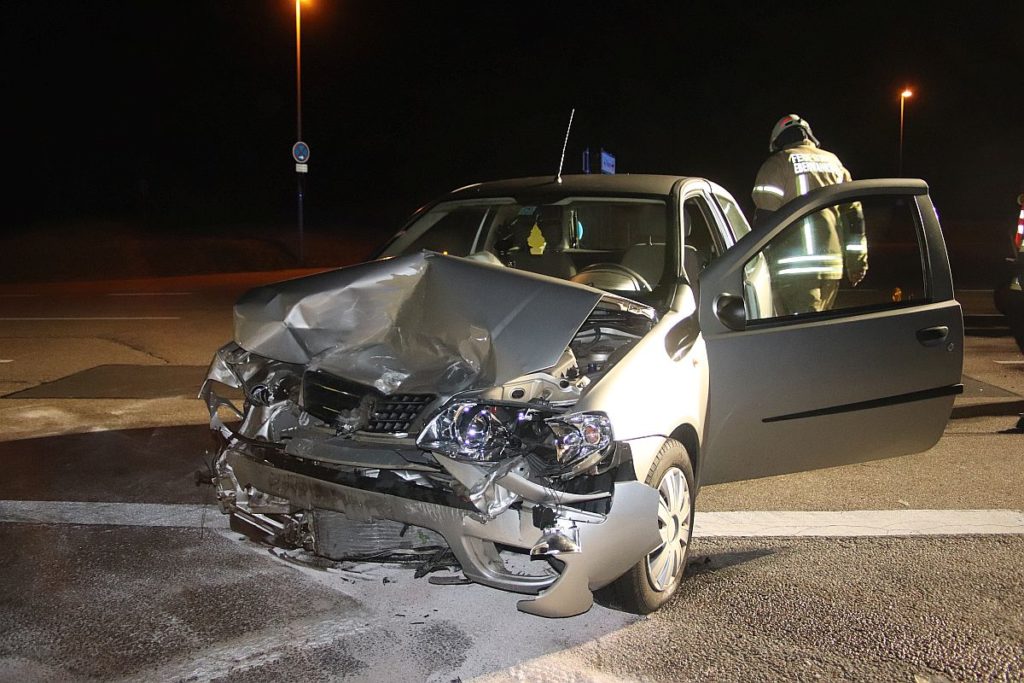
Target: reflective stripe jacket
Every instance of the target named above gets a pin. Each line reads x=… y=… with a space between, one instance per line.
x=825 y=240
x=1018 y=244
x=1018 y=238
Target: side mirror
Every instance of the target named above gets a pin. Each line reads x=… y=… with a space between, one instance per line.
x=729 y=309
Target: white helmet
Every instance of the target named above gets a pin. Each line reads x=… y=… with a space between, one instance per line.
x=786 y=123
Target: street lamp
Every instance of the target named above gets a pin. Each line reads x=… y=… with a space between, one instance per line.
x=300 y=150
x=907 y=92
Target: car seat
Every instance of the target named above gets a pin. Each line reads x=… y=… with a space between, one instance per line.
x=646 y=258
x=552 y=261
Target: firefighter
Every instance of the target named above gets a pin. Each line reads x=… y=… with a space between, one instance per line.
x=807 y=261
x=1009 y=299
x=1018 y=249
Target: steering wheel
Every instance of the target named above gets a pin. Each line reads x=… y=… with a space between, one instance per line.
x=637 y=278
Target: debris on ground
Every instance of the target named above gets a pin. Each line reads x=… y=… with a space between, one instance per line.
x=449 y=580
x=442 y=559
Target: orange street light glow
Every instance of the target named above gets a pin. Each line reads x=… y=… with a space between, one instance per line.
x=906 y=93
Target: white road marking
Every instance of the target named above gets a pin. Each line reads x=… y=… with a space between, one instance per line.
x=6 y=360
x=859 y=523
x=707 y=524
x=59 y=318
x=149 y=293
x=1009 y=362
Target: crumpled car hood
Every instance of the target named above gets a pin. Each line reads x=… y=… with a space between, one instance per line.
x=422 y=323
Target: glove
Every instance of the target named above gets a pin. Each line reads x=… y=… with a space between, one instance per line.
x=856 y=268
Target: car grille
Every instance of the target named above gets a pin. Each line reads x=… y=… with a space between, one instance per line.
x=328 y=398
x=395 y=414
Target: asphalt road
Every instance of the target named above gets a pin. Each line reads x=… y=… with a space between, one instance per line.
x=140 y=581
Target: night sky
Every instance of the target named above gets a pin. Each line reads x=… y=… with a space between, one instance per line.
x=183 y=113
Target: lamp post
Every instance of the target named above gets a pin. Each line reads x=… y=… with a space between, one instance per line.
x=300 y=151
x=907 y=92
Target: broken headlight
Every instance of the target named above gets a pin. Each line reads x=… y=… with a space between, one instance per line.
x=265 y=381
x=489 y=432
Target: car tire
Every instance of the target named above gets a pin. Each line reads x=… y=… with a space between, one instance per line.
x=652 y=581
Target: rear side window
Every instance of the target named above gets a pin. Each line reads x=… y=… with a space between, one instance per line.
x=617 y=225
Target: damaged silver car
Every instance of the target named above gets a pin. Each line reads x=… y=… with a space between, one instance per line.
x=537 y=375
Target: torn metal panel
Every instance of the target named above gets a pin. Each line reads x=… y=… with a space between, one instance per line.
x=606 y=551
x=423 y=323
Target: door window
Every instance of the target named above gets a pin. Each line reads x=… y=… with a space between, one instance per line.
x=846 y=258
x=734 y=217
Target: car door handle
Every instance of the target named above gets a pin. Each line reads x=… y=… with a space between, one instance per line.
x=930 y=336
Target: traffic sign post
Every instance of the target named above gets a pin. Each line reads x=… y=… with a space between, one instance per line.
x=598 y=161
x=607 y=162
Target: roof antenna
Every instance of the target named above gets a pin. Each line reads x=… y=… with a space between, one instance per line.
x=561 y=162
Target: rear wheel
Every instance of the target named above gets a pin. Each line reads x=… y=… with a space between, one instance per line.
x=652 y=581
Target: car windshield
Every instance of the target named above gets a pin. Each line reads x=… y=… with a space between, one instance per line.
x=616 y=244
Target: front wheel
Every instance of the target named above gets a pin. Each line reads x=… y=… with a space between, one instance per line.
x=653 y=580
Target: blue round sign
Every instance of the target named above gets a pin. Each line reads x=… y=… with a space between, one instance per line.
x=300 y=152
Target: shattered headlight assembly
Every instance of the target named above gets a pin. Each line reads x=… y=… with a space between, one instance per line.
x=270 y=389
x=265 y=381
x=489 y=432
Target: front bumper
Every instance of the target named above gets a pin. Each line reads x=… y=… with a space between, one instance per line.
x=602 y=547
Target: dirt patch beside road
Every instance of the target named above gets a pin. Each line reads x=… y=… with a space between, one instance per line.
x=111 y=250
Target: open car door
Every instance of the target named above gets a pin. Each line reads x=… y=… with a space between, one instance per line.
x=809 y=371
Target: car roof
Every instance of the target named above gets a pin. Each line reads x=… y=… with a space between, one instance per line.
x=625 y=184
